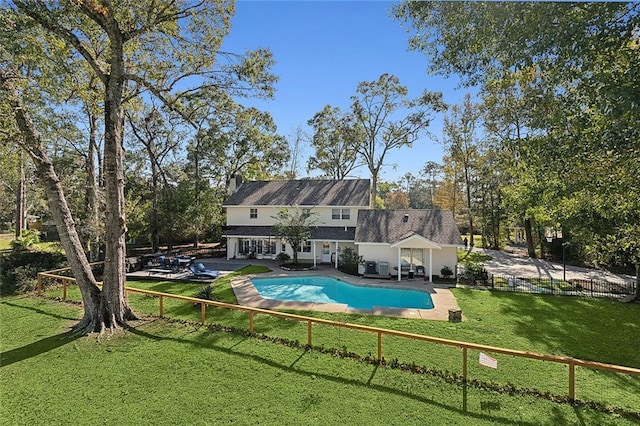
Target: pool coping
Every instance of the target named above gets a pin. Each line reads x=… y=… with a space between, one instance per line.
x=443 y=299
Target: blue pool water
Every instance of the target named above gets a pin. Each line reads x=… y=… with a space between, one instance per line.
x=330 y=290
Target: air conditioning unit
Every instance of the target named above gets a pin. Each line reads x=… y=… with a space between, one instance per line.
x=383 y=268
x=370 y=267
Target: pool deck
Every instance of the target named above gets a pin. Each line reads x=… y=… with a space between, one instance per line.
x=442 y=298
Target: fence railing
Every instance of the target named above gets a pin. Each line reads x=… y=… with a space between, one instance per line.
x=571 y=362
x=545 y=285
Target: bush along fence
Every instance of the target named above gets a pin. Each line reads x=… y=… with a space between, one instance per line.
x=53 y=278
x=544 y=285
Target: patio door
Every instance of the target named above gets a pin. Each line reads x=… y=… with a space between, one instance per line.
x=326 y=252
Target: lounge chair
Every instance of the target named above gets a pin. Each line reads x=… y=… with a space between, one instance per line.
x=203 y=273
x=200 y=267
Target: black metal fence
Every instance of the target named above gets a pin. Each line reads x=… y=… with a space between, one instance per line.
x=545 y=285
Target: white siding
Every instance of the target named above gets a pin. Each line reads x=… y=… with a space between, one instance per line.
x=240 y=215
x=446 y=256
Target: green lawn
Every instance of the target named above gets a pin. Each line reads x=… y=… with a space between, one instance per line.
x=48 y=246
x=599 y=330
x=5 y=240
x=472 y=256
x=163 y=372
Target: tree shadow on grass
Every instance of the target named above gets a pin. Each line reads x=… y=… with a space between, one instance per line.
x=590 y=329
x=36 y=348
x=39 y=311
x=453 y=406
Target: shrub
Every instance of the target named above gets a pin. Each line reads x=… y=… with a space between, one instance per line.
x=349 y=260
x=205 y=293
x=19 y=269
x=282 y=257
x=26 y=239
x=474 y=272
x=446 y=272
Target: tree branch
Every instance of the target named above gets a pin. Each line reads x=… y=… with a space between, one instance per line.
x=39 y=12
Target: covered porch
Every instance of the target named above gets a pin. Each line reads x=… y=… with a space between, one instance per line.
x=414 y=254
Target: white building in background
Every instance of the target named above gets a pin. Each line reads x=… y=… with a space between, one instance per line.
x=392 y=242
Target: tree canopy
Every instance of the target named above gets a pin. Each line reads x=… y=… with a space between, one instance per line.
x=561 y=84
x=63 y=58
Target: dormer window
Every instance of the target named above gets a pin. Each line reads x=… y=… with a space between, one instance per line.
x=253 y=213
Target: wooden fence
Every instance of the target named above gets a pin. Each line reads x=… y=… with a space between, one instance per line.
x=572 y=363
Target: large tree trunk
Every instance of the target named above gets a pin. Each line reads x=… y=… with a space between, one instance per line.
x=116 y=309
x=637 y=298
x=59 y=209
x=541 y=241
x=91 y=199
x=374 y=189
x=20 y=201
x=467 y=180
x=529 y=235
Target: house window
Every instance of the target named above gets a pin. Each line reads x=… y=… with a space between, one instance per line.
x=253 y=213
x=247 y=246
x=305 y=247
x=284 y=247
x=267 y=247
x=337 y=214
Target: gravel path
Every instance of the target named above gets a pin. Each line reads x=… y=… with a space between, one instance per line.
x=503 y=263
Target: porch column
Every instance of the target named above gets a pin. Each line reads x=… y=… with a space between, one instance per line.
x=399 y=266
x=431 y=265
x=314 y=254
x=231 y=247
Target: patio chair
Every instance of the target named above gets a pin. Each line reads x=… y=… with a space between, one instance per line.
x=203 y=273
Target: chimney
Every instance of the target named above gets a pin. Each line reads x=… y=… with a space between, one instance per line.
x=235 y=181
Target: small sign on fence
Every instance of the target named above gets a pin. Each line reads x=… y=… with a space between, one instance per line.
x=487 y=361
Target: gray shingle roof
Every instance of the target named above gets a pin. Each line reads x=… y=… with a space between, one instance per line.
x=389 y=226
x=307 y=192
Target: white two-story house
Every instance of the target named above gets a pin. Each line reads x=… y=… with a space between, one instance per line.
x=253 y=205
x=397 y=241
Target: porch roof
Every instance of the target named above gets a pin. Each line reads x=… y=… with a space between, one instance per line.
x=415 y=241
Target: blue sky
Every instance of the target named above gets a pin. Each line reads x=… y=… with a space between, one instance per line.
x=322 y=50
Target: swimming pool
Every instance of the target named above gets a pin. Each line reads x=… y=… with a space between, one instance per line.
x=330 y=290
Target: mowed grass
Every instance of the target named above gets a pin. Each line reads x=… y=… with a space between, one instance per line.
x=5 y=241
x=591 y=329
x=161 y=372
